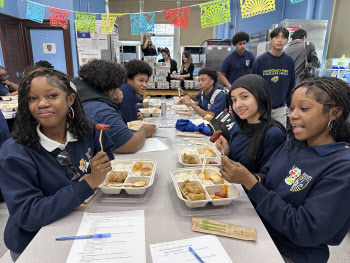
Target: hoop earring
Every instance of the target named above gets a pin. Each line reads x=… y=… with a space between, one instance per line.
x=71 y=112
x=329 y=125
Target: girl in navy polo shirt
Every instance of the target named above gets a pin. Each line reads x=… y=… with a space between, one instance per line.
x=53 y=162
x=255 y=135
x=303 y=192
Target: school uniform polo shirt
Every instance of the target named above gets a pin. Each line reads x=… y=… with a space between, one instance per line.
x=4 y=130
x=3 y=89
x=128 y=105
x=235 y=65
x=303 y=199
x=101 y=112
x=219 y=103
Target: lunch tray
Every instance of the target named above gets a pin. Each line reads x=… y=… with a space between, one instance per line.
x=208 y=210
x=125 y=198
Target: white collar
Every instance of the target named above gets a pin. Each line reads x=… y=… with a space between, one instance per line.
x=50 y=145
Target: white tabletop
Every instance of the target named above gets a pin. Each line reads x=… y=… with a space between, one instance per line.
x=162 y=222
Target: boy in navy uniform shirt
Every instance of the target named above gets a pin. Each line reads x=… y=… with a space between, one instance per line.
x=277 y=68
x=239 y=62
x=211 y=100
x=54 y=160
x=303 y=192
x=138 y=73
x=99 y=91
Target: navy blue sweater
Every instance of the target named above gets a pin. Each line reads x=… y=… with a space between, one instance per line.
x=128 y=105
x=4 y=130
x=279 y=73
x=36 y=189
x=304 y=199
x=274 y=137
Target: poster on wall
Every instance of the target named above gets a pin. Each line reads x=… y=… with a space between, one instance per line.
x=86 y=55
x=90 y=44
x=49 y=48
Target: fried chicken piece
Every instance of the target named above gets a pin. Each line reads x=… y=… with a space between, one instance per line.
x=113 y=178
x=196 y=197
x=193 y=191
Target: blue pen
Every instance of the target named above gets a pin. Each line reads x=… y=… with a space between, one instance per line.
x=161 y=137
x=196 y=255
x=83 y=237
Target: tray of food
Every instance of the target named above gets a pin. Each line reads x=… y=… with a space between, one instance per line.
x=183 y=108
x=136 y=125
x=197 y=190
x=146 y=112
x=195 y=155
x=132 y=176
x=8 y=107
x=5 y=97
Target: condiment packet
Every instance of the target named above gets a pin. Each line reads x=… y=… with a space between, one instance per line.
x=223 y=229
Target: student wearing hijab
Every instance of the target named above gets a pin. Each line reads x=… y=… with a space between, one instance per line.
x=255 y=135
x=302 y=194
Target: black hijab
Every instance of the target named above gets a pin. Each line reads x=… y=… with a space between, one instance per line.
x=257 y=86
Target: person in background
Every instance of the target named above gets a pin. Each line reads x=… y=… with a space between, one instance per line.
x=255 y=135
x=6 y=85
x=277 y=68
x=304 y=54
x=53 y=161
x=138 y=73
x=148 y=48
x=186 y=69
x=43 y=64
x=239 y=62
x=98 y=88
x=169 y=62
x=211 y=99
x=302 y=194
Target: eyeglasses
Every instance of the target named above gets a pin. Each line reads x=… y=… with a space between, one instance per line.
x=63 y=158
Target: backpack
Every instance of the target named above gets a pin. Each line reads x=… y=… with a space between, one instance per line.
x=224 y=121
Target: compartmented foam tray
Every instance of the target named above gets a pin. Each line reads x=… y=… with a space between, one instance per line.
x=183 y=108
x=208 y=188
x=146 y=112
x=208 y=210
x=197 y=154
x=136 y=125
x=125 y=198
x=129 y=172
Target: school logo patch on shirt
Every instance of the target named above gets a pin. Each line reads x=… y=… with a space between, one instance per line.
x=275 y=79
x=84 y=164
x=297 y=180
x=247 y=62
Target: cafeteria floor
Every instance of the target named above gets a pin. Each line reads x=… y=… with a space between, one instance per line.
x=339 y=254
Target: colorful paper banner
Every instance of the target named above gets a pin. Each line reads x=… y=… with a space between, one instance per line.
x=2 y=3
x=108 y=22
x=35 y=12
x=256 y=7
x=59 y=17
x=215 y=13
x=142 y=23
x=178 y=16
x=85 y=22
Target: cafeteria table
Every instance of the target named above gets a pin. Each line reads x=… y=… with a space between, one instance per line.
x=163 y=222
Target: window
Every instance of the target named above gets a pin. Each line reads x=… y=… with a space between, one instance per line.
x=164 y=37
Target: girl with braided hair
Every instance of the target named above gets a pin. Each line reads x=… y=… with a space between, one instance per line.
x=303 y=192
x=54 y=160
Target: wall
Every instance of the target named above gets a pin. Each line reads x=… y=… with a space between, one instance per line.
x=307 y=9
x=11 y=8
x=18 y=8
x=339 y=36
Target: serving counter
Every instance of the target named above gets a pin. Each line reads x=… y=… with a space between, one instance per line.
x=163 y=222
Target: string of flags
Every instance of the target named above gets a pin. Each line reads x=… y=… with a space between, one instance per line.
x=212 y=13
